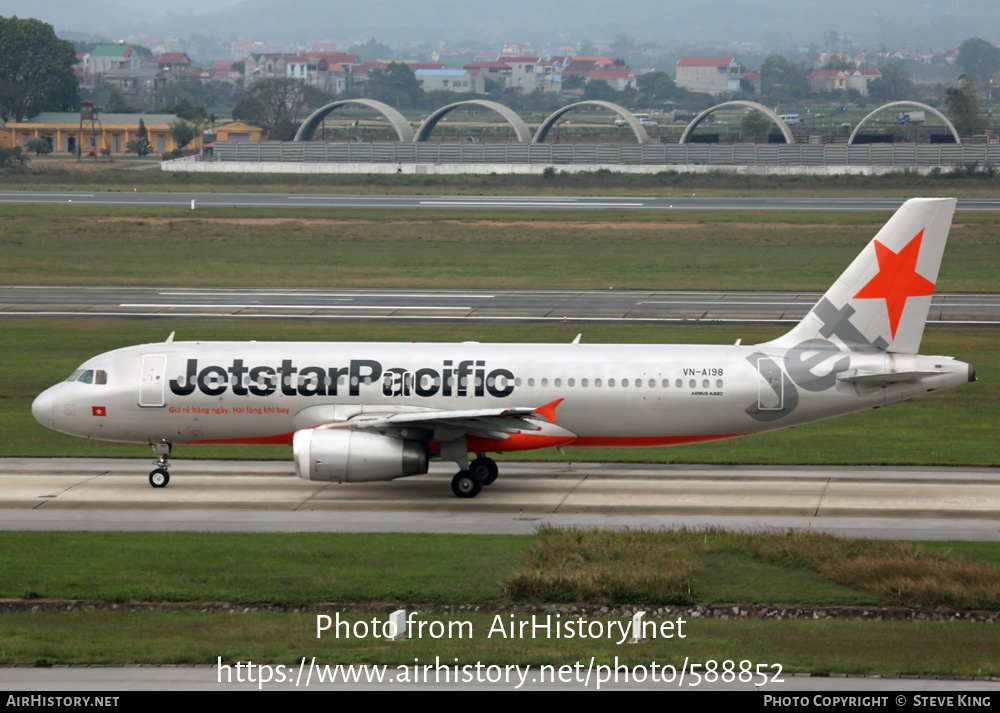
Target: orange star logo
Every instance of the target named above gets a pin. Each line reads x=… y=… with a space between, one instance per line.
x=897 y=279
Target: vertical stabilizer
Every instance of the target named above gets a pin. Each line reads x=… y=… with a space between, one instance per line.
x=881 y=300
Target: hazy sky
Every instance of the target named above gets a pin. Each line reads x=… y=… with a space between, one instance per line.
x=924 y=24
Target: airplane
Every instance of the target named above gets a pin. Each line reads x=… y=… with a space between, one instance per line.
x=356 y=412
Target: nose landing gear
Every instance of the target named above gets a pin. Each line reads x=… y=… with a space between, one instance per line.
x=159 y=477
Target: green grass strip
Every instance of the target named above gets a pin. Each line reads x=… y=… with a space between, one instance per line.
x=888 y=648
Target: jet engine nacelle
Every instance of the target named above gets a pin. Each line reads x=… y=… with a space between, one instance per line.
x=349 y=456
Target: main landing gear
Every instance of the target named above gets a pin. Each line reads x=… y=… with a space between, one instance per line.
x=469 y=483
x=159 y=477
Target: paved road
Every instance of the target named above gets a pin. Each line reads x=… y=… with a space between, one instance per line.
x=386 y=202
x=611 y=306
x=881 y=502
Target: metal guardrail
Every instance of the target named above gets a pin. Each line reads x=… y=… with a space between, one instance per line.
x=897 y=155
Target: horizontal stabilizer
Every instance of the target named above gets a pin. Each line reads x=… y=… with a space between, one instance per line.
x=884 y=378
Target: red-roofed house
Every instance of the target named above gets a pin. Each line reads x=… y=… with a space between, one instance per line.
x=177 y=63
x=859 y=79
x=827 y=80
x=494 y=71
x=530 y=73
x=334 y=57
x=619 y=79
x=222 y=71
x=709 y=75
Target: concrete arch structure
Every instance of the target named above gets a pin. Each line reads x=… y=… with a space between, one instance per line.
x=932 y=110
x=638 y=129
x=403 y=129
x=521 y=129
x=782 y=126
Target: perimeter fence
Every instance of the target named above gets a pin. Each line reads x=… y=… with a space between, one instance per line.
x=895 y=155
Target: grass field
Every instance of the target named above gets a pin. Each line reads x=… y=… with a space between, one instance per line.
x=641 y=568
x=726 y=250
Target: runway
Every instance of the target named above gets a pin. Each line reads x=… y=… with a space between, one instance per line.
x=484 y=306
x=395 y=202
x=265 y=496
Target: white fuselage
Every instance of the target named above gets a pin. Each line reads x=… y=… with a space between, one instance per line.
x=611 y=395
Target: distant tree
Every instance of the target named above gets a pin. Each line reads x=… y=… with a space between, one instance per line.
x=395 y=80
x=140 y=147
x=273 y=103
x=187 y=111
x=656 y=88
x=588 y=49
x=36 y=70
x=38 y=146
x=839 y=63
x=599 y=90
x=755 y=126
x=622 y=45
x=12 y=157
x=574 y=81
x=371 y=51
x=978 y=59
x=117 y=105
x=963 y=105
x=894 y=84
x=182 y=132
x=782 y=80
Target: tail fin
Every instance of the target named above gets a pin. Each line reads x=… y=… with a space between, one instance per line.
x=881 y=300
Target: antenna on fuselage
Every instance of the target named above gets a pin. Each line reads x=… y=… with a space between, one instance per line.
x=170 y=338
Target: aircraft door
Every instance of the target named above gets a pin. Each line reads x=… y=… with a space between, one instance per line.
x=152 y=380
x=771 y=386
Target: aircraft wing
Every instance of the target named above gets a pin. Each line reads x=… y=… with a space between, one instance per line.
x=497 y=423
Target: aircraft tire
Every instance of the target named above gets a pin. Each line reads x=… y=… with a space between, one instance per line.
x=466 y=484
x=486 y=468
x=159 y=478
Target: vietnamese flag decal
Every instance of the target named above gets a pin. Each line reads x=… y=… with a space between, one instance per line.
x=100 y=410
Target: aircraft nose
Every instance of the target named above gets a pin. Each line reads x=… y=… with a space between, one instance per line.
x=41 y=409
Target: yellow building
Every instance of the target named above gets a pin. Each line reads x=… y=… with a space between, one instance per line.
x=111 y=131
x=238 y=131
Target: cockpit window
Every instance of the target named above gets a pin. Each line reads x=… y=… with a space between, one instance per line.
x=89 y=376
